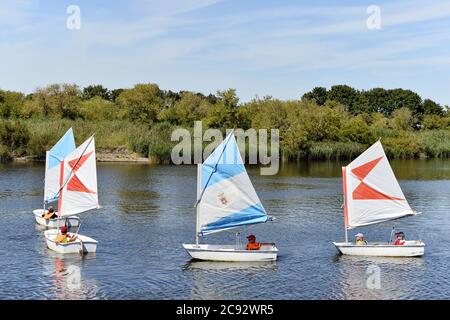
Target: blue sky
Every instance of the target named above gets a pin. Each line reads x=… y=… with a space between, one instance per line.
x=259 y=47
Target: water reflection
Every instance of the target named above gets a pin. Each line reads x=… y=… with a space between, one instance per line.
x=210 y=266
x=134 y=186
x=66 y=277
x=359 y=277
x=227 y=280
x=411 y=169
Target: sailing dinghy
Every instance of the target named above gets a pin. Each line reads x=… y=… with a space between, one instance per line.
x=226 y=199
x=372 y=195
x=53 y=180
x=78 y=194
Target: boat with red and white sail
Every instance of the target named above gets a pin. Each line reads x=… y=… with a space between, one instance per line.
x=372 y=195
x=78 y=194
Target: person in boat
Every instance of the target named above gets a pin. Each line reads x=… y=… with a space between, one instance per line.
x=64 y=237
x=400 y=239
x=252 y=244
x=360 y=239
x=49 y=214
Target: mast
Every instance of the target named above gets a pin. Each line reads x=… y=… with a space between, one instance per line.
x=196 y=226
x=197 y=212
x=344 y=189
x=61 y=179
x=45 y=178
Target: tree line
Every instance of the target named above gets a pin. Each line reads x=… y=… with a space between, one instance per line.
x=321 y=124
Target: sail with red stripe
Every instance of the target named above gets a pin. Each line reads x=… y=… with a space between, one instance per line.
x=372 y=193
x=79 y=187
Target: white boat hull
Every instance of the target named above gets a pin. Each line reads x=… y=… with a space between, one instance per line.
x=409 y=249
x=72 y=221
x=86 y=244
x=230 y=253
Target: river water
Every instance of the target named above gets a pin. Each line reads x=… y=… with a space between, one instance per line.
x=148 y=213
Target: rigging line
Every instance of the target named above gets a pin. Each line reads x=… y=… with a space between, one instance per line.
x=81 y=222
x=215 y=169
x=70 y=174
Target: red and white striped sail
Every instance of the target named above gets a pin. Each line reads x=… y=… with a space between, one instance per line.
x=372 y=193
x=79 y=188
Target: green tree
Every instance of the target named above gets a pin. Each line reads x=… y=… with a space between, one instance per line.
x=11 y=104
x=320 y=123
x=98 y=90
x=375 y=100
x=223 y=113
x=434 y=121
x=402 y=119
x=319 y=94
x=115 y=93
x=189 y=108
x=267 y=113
x=379 y=121
x=346 y=96
x=356 y=129
x=56 y=100
x=97 y=109
x=401 y=98
x=431 y=107
x=141 y=103
x=69 y=98
x=309 y=122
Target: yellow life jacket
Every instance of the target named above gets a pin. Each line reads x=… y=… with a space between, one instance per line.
x=62 y=238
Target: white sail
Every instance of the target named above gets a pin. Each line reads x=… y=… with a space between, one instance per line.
x=226 y=197
x=79 y=191
x=53 y=159
x=372 y=193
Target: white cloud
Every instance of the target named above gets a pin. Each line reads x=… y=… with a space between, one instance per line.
x=14 y=13
x=173 y=7
x=181 y=44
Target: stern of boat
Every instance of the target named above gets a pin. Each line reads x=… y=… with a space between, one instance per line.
x=83 y=244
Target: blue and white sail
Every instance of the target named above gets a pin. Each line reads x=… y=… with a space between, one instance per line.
x=53 y=170
x=225 y=195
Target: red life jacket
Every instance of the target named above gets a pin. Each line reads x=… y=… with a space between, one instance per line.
x=253 y=246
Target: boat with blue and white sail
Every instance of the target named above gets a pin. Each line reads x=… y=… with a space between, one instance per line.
x=52 y=182
x=226 y=200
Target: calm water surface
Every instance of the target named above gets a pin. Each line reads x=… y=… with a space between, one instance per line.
x=148 y=213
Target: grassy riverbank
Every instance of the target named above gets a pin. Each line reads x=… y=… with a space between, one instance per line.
x=115 y=140
x=137 y=123
x=126 y=141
